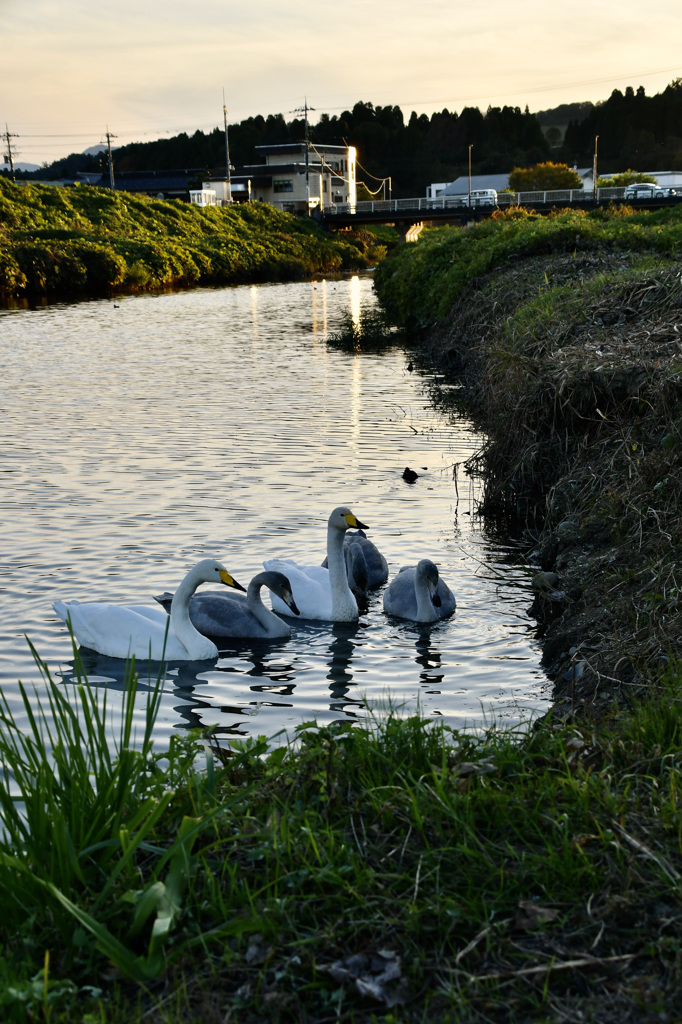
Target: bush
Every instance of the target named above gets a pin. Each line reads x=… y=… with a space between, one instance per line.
x=87 y=240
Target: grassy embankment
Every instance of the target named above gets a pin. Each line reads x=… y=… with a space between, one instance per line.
x=65 y=242
x=567 y=332
x=404 y=874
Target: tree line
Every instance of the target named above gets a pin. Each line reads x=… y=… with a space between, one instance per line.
x=411 y=153
x=635 y=131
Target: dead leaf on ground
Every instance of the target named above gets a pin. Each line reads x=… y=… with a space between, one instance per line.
x=530 y=916
x=376 y=975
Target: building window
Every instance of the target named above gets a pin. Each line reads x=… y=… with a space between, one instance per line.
x=283 y=185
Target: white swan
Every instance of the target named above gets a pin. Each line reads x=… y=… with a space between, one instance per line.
x=120 y=631
x=223 y=613
x=418 y=593
x=319 y=592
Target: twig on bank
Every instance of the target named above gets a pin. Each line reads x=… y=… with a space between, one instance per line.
x=672 y=873
x=528 y=972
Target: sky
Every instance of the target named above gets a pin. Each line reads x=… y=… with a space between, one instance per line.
x=147 y=69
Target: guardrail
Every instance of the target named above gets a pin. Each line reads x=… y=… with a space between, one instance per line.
x=462 y=202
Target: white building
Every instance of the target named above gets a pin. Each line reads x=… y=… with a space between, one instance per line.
x=290 y=181
x=203 y=197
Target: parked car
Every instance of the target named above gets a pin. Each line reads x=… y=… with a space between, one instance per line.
x=645 y=190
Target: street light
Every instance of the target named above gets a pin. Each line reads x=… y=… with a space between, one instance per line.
x=594 y=169
x=470 y=148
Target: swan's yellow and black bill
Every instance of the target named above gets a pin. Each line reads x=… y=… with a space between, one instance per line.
x=230 y=581
x=355 y=522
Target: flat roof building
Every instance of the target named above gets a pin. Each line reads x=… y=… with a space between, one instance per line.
x=294 y=179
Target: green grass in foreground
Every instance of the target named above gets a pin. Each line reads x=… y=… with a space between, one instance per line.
x=404 y=872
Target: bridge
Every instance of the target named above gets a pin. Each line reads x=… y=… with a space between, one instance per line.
x=410 y=215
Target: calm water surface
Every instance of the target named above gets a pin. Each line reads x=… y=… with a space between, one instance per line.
x=142 y=435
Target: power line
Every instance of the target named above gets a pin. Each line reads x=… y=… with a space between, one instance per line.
x=137 y=132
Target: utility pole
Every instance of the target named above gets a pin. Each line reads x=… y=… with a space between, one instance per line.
x=307 y=160
x=470 y=148
x=227 y=154
x=594 y=169
x=8 y=136
x=304 y=110
x=109 y=137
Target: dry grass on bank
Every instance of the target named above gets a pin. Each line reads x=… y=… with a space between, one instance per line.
x=574 y=365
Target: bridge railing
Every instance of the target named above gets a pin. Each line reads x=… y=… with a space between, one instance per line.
x=462 y=201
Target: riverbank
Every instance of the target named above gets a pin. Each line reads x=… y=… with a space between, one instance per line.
x=401 y=873
x=62 y=243
x=567 y=333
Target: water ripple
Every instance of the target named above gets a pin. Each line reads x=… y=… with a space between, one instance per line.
x=143 y=436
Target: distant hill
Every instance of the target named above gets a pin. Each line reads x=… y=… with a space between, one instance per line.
x=564 y=113
x=20 y=167
x=554 y=122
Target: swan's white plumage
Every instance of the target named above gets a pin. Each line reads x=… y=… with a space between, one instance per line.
x=418 y=593
x=224 y=613
x=319 y=592
x=120 y=631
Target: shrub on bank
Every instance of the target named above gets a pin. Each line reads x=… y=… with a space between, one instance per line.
x=565 y=332
x=83 y=240
x=64 y=266
x=418 y=284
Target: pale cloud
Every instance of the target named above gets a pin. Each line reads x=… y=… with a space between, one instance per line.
x=145 y=69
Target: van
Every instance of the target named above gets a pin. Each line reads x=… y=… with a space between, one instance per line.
x=645 y=190
x=483 y=197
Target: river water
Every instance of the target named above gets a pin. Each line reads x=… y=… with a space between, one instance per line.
x=143 y=434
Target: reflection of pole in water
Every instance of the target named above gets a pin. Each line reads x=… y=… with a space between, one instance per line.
x=355 y=304
x=254 y=312
x=355 y=409
x=319 y=308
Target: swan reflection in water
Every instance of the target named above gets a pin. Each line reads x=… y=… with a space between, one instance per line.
x=266 y=660
x=429 y=658
x=110 y=673
x=189 y=682
x=255 y=674
x=340 y=654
